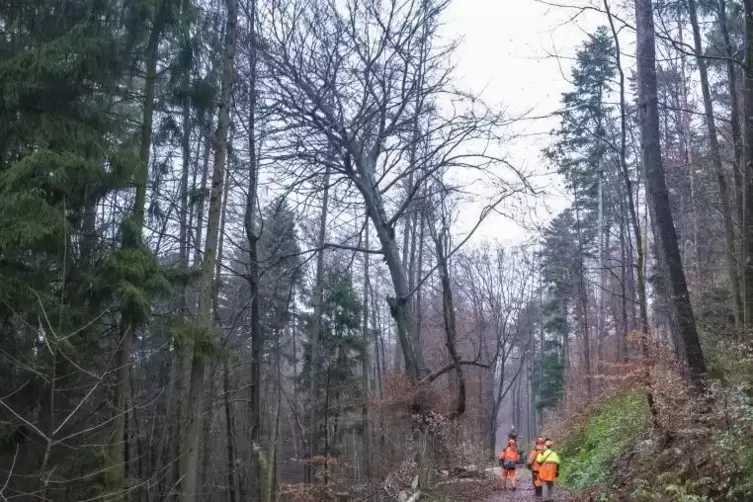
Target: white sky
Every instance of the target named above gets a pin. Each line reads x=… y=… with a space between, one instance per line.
x=518 y=54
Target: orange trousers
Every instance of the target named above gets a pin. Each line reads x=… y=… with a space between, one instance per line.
x=509 y=475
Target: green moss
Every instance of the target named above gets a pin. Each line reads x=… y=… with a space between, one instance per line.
x=588 y=453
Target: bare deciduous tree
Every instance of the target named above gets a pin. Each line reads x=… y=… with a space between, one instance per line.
x=347 y=81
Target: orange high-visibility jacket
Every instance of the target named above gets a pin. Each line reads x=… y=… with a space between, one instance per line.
x=550 y=463
x=532 y=464
x=535 y=466
x=510 y=453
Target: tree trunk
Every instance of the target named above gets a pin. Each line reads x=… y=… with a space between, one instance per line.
x=325 y=451
x=256 y=486
x=169 y=450
x=716 y=158
x=417 y=274
x=400 y=304
x=399 y=308
x=211 y=390
x=141 y=455
x=132 y=239
x=686 y=142
x=583 y=297
x=316 y=326
x=657 y=188
x=186 y=154
x=199 y=223
x=748 y=156
x=365 y=429
x=450 y=325
x=229 y=434
x=737 y=142
x=496 y=404
x=188 y=465
x=271 y=472
x=205 y=450
x=408 y=242
x=622 y=344
x=633 y=212
x=413 y=273
x=380 y=362
x=601 y=288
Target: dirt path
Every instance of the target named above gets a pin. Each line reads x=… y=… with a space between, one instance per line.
x=524 y=493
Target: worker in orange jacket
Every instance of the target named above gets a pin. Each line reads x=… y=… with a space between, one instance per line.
x=549 y=470
x=508 y=460
x=534 y=466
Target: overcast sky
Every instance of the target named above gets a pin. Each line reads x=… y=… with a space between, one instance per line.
x=518 y=54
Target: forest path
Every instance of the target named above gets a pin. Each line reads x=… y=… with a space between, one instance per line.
x=524 y=493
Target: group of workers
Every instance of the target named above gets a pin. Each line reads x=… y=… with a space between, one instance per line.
x=542 y=461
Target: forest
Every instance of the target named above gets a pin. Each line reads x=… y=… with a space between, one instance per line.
x=252 y=250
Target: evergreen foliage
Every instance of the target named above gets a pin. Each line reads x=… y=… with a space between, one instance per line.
x=584 y=151
x=341 y=342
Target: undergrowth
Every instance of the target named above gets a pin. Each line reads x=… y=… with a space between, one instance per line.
x=702 y=452
x=591 y=448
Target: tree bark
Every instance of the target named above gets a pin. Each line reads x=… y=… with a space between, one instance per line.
x=748 y=156
x=229 y=434
x=365 y=429
x=399 y=308
x=255 y=474
x=450 y=325
x=188 y=465
x=408 y=243
x=657 y=189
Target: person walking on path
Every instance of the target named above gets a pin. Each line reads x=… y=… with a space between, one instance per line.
x=534 y=466
x=508 y=460
x=549 y=470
